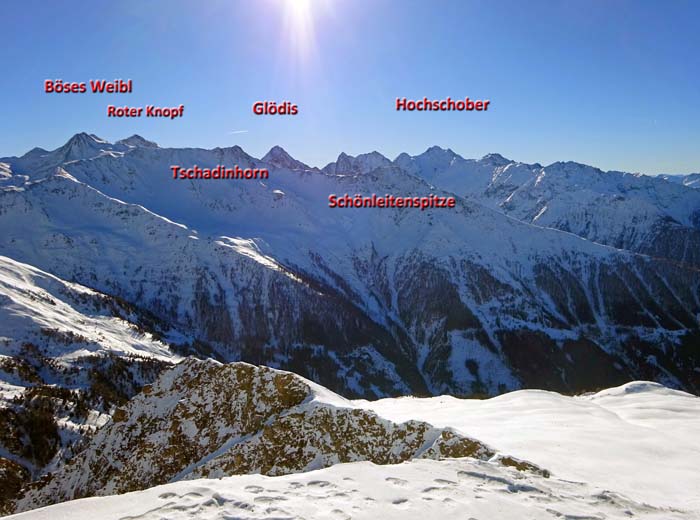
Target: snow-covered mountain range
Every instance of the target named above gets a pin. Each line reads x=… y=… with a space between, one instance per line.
x=692 y=180
x=561 y=277
x=534 y=279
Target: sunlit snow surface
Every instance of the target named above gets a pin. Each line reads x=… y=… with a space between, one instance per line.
x=627 y=452
x=32 y=300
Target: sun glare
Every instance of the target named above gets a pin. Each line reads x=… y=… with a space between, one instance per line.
x=299 y=12
x=299 y=27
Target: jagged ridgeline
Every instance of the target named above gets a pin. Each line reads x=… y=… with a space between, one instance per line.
x=203 y=419
x=561 y=277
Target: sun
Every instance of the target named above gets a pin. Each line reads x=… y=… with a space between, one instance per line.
x=299 y=28
x=304 y=23
x=299 y=12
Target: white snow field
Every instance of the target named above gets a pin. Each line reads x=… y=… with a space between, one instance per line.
x=32 y=300
x=626 y=452
x=640 y=439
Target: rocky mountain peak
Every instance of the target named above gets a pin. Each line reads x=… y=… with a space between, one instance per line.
x=82 y=146
x=437 y=150
x=279 y=157
x=363 y=163
x=137 y=141
x=496 y=159
x=36 y=151
x=84 y=138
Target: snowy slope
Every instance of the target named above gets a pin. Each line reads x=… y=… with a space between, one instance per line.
x=562 y=277
x=463 y=299
x=412 y=490
x=692 y=180
x=637 y=439
x=39 y=308
x=625 y=452
x=628 y=211
x=221 y=290
x=272 y=423
x=68 y=355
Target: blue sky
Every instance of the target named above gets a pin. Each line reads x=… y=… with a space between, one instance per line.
x=612 y=83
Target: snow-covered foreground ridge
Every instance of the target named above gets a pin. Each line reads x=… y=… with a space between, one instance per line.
x=205 y=419
x=629 y=451
x=426 y=489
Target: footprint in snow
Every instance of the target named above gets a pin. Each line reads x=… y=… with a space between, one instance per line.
x=268 y=499
x=320 y=483
x=445 y=481
x=433 y=489
x=397 y=481
x=401 y=502
x=216 y=500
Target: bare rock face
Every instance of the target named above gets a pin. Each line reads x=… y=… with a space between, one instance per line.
x=205 y=419
x=13 y=476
